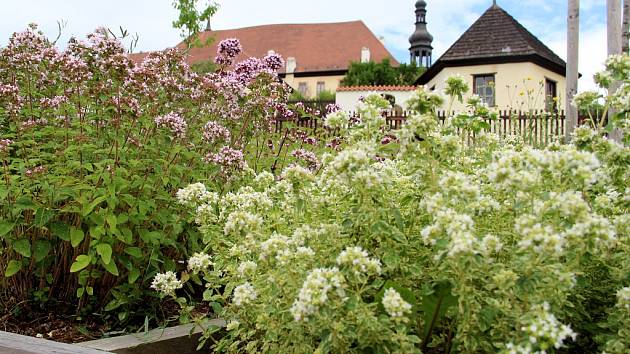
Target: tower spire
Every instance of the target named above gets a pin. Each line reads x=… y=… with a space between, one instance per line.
x=421 y=40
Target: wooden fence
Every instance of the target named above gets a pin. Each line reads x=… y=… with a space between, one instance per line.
x=536 y=128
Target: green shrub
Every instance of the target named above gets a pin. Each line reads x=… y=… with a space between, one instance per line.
x=93 y=150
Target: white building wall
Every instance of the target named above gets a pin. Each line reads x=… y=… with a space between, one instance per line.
x=348 y=100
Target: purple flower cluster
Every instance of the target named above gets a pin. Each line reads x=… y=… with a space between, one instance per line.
x=308 y=157
x=26 y=125
x=388 y=139
x=214 y=132
x=334 y=144
x=227 y=50
x=8 y=90
x=174 y=122
x=228 y=159
x=273 y=61
x=332 y=108
x=54 y=102
x=4 y=145
x=39 y=170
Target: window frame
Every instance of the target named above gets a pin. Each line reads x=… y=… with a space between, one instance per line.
x=494 y=87
x=320 y=87
x=304 y=85
x=549 y=101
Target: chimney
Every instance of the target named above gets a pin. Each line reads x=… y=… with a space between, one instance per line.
x=365 y=55
x=208 y=25
x=291 y=65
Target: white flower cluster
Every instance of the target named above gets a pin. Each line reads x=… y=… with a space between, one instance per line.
x=359 y=261
x=283 y=249
x=199 y=262
x=196 y=194
x=394 y=304
x=315 y=291
x=244 y=294
x=544 y=331
x=205 y=215
x=458 y=227
x=623 y=298
x=166 y=283
x=297 y=174
x=541 y=238
x=337 y=120
x=246 y=200
x=351 y=160
x=247 y=268
x=241 y=222
x=264 y=180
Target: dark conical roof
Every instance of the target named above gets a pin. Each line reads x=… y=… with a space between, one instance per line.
x=496 y=36
x=421 y=36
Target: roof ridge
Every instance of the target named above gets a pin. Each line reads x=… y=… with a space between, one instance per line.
x=288 y=24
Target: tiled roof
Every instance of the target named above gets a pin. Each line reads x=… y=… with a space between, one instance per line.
x=377 y=88
x=496 y=36
x=316 y=47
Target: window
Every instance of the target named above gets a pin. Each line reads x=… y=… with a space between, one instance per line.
x=303 y=88
x=321 y=87
x=551 y=95
x=483 y=85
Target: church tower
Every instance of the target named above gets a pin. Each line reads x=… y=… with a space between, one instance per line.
x=421 y=39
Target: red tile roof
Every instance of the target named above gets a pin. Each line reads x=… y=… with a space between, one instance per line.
x=377 y=88
x=316 y=47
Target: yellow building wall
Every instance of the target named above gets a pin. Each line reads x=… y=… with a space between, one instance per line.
x=518 y=86
x=331 y=83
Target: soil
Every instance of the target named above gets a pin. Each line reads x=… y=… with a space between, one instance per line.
x=55 y=322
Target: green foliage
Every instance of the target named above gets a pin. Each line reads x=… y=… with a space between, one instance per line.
x=326 y=95
x=383 y=73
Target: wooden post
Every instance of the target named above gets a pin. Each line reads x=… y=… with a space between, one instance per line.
x=614 y=48
x=625 y=27
x=573 y=47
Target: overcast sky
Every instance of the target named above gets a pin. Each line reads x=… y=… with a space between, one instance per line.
x=394 y=19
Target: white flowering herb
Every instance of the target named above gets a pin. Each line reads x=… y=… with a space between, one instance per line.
x=395 y=306
x=166 y=283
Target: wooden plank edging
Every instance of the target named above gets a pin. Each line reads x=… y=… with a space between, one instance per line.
x=161 y=340
x=11 y=343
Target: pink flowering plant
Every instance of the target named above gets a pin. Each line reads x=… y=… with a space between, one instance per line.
x=421 y=245
x=93 y=147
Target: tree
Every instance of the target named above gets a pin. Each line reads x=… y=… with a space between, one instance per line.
x=573 y=37
x=383 y=73
x=191 y=19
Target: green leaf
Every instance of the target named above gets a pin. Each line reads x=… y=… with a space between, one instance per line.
x=6 y=227
x=112 y=221
x=60 y=230
x=134 y=252
x=12 y=268
x=105 y=251
x=134 y=274
x=81 y=262
x=435 y=305
x=111 y=267
x=87 y=209
x=76 y=236
x=23 y=247
x=43 y=216
x=41 y=248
